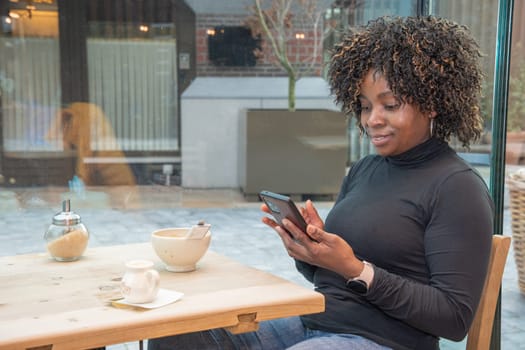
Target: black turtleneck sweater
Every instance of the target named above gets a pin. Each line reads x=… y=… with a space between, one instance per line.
x=424 y=219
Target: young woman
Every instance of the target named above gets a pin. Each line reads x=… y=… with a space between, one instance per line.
x=402 y=256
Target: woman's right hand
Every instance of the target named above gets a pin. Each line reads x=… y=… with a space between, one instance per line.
x=311 y=216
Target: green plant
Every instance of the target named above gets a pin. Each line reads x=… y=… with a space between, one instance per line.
x=292 y=30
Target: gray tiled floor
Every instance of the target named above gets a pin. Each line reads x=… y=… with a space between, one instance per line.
x=237 y=233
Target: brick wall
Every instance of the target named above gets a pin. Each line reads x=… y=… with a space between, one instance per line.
x=300 y=50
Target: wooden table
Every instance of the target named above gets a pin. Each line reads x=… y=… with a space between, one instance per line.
x=47 y=304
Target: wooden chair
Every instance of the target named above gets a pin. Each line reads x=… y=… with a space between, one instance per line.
x=481 y=329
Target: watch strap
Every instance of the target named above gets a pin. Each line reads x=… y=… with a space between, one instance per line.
x=362 y=283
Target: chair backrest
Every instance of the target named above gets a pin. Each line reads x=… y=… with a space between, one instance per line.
x=481 y=329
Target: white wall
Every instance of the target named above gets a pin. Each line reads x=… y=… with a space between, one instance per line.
x=210 y=112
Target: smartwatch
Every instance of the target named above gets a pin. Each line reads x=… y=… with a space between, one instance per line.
x=361 y=283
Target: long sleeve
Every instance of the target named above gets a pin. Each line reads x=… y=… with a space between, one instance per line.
x=457 y=246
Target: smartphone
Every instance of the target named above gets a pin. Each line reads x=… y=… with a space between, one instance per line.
x=283 y=207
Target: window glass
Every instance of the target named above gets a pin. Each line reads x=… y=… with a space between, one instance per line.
x=126 y=108
x=96 y=101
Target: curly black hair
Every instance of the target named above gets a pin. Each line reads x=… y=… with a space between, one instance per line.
x=430 y=62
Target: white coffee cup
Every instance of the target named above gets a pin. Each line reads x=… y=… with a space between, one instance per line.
x=140 y=283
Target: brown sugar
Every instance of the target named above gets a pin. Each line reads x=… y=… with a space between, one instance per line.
x=69 y=246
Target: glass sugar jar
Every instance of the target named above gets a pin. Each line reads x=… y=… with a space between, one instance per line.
x=66 y=237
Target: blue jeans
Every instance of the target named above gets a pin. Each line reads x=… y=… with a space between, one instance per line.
x=287 y=333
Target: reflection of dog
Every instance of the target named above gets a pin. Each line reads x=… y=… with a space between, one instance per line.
x=78 y=125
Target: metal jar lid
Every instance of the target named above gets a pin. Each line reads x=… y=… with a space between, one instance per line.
x=66 y=217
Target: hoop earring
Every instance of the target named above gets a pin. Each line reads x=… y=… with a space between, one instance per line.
x=431 y=127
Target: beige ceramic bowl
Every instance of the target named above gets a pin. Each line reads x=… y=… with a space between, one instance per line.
x=178 y=253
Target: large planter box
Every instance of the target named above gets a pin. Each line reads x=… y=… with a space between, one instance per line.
x=38 y=168
x=295 y=153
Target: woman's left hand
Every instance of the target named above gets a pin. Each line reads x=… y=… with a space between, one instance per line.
x=320 y=248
